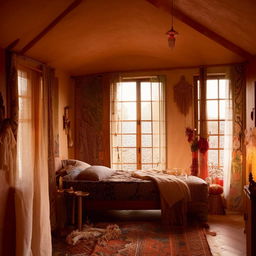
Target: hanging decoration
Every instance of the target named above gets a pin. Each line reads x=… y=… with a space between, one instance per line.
x=183 y=95
x=172 y=34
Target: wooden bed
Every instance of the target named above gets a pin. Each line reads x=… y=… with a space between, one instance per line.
x=123 y=192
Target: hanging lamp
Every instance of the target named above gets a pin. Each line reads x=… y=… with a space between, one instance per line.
x=172 y=34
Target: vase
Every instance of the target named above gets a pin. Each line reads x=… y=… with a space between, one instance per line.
x=204 y=165
x=194 y=165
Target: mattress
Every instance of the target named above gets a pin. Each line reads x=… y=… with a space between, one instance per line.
x=121 y=186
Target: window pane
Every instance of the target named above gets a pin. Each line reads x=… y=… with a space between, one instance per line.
x=221 y=157
x=129 y=167
x=128 y=127
x=116 y=166
x=129 y=111
x=223 y=88
x=146 y=141
x=146 y=111
x=117 y=140
x=146 y=127
x=156 y=155
x=155 y=90
x=25 y=108
x=222 y=127
x=129 y=155
x=155 y=110
x=147 y=167
x=128 y=91
x=198 y=89
x=116 y=155
x=223 y=107
x=23 y=87
x=198 y=109
x=156 y=128
x=146 y=155
x=129 y=140
x=213 y=141
x=221 y=141
x=213 y=157
x=212 y=127
x=145 y=91
x=212 y=109
x=212 y=89
x=156 y=142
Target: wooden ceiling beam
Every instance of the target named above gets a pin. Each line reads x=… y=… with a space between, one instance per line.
x=166 y=6
x=12 y=44
x=71 y=7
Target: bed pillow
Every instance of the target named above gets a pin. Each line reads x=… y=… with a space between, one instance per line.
x=72 y=175
x=95 y=173
x=79 y=164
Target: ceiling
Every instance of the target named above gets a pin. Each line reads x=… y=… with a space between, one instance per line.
x=121 y=35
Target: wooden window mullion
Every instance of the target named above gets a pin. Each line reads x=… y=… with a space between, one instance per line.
x=138 y=126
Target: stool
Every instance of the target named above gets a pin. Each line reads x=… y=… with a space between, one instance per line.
x=215 y=199
x=80 y=195
x=216 y=204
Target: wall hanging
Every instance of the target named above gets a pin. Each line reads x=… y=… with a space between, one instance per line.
x=182 y=92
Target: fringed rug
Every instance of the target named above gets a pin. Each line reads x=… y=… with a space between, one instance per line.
x=142 y=238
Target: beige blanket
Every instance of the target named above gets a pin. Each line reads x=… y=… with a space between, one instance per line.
x=174 y=195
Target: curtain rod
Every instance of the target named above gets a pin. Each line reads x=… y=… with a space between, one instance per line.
x=137 y=77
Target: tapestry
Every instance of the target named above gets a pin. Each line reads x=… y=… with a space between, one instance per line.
x=182 y=92
x=238 y=95
x=92 y=105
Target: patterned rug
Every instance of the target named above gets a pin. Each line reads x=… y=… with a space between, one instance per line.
x=140 y=239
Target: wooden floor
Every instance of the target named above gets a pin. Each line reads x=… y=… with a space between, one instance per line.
x=229 y=239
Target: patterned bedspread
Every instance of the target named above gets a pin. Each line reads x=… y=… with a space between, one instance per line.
x=120 y=186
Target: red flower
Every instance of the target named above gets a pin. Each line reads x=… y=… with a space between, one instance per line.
x=190 y=134
x=195 y=144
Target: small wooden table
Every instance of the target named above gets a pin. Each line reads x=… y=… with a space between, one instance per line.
x=80 y=195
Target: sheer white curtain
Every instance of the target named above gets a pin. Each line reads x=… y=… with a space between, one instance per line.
x=158 y=122
x=33 y=233
x=228 y=136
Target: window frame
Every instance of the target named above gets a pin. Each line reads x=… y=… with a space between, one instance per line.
x=138 y=122
x=218 y=119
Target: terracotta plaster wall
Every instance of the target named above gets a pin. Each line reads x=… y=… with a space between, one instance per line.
x=66 y=95
x=250 y=82
x=7 y=214
x=250 y=105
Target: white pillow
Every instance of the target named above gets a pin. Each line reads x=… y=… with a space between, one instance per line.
x=95 y=173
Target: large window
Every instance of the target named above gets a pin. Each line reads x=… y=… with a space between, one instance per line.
x=218 y=121
x=138 y=124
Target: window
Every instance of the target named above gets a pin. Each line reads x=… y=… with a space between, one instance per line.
x=29 y=89
x=25 y=116
x=138 y=124
x=218 y=121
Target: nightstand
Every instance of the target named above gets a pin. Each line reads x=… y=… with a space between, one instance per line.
x=80 y=195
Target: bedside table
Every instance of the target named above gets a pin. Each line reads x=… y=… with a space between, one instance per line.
x=80 y=195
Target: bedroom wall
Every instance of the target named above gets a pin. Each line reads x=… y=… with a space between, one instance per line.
x=250 y=99
x=7 y=214
x=178 y=149
x=250 y=81
x=66 y=98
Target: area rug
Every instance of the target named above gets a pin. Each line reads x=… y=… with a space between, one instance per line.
x=143 y=238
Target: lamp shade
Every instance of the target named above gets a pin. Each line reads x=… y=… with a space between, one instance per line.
x=172 y=37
